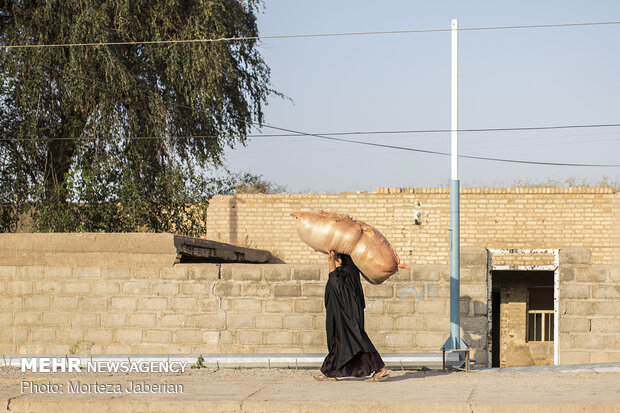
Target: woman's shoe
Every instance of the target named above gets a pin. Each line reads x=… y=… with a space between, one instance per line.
x=376 y=377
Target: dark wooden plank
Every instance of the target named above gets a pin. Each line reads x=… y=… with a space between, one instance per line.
x=202 y=250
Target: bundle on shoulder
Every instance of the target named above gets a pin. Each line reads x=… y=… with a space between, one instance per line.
x=370 y=251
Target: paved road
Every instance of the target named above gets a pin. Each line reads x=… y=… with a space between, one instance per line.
x=262 y=390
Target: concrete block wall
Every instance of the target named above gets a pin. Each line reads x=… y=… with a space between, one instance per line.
x=109 y=308
x=523 y=218
x=101 y=309
x=187 y=309
x=120 y=293
x=589 y=309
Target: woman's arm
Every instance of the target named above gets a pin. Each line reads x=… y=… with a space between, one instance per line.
x=331 y=259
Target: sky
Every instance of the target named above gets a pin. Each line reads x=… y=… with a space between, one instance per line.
x=507 y=78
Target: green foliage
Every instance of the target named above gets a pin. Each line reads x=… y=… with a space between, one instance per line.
x=123 y=137
x=74 y=347
x=172 y=208
x=550 y=182
x=199 y=364
x=570 y=182
x=246 y=183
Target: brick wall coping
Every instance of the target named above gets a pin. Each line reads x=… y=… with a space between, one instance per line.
x=439 y=190
x=531 y=190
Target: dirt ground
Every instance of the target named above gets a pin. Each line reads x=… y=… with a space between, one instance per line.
x=297 y=390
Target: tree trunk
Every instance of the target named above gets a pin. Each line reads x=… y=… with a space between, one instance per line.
x=59 y=155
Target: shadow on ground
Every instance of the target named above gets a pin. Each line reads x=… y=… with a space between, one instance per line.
x=406 y=375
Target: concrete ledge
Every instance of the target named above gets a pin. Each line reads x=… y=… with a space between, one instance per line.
x=120 y=249
x=137 y=242
x=567 y=368
x=109 y=249
x=405 y=361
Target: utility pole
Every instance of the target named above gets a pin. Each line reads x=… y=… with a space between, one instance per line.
x=455 y=342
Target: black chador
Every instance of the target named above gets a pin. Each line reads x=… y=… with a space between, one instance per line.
x=351 y=353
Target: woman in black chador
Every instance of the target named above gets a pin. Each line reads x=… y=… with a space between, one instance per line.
x=351 y=353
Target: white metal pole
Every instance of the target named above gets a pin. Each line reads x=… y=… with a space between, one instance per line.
x=454 y=95
x=455 y=342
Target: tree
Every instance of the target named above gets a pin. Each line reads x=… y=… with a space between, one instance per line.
x=120 y=137
x=247 y=183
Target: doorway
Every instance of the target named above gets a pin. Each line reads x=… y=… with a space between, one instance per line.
x=522 y=311
x=522 y=324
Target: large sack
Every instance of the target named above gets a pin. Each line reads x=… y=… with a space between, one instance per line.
x=368 y=248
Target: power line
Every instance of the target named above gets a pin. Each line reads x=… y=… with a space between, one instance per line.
x=294 y=133
x=444 y=153
x=298 y=133
x=412 y=131
x=298 y=36
x=375 y=132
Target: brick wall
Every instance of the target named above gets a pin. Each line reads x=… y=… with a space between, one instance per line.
x=490 y=217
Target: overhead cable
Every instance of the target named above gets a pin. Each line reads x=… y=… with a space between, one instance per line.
x=297 y=36
x=484 y=158
x=298 y=133
x=374 y=132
